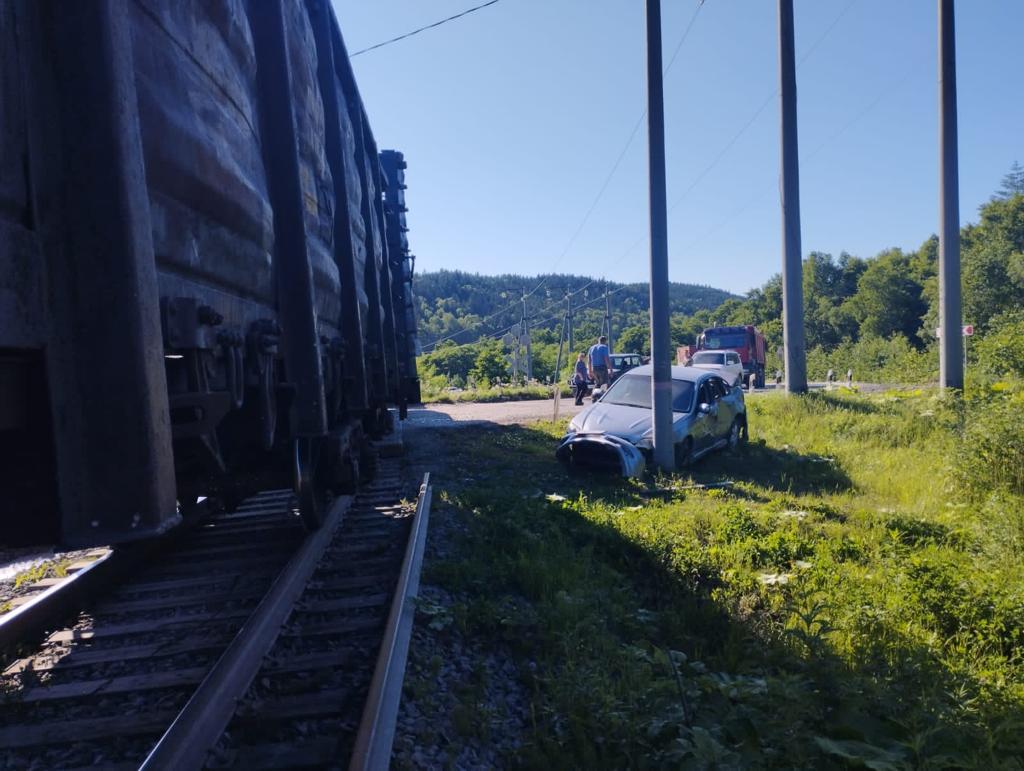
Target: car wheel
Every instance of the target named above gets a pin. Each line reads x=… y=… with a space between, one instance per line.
x=737 y=434
x=733 y=440
x=684 y=453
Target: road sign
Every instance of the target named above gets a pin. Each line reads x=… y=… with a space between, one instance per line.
x=968 y=330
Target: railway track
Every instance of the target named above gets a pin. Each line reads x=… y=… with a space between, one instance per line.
x=249 y=644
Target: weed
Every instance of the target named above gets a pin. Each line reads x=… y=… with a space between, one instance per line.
x=852 y=599
x=46 y=569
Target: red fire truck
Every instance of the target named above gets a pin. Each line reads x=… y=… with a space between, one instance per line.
x=747 y=341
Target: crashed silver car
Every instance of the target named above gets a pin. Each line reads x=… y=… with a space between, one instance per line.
x=616 y=433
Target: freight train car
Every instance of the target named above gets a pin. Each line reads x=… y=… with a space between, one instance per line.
x=205 y=285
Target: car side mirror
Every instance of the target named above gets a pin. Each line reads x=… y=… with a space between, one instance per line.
x=704 y=408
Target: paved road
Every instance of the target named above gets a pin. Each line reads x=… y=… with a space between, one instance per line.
x=509 y=413
x=506 y=413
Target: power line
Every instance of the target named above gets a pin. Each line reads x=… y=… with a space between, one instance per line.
x=498 y=334
x=825 y=34
x=506 y=309
x=890 y=86
x=764 y=105
x=422 y=29
x=736 y=137
x=474 y=325
x=600 y=192
x=622 y=154
x=433 y=345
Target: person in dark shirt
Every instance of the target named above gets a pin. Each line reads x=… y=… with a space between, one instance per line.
x=579 y=379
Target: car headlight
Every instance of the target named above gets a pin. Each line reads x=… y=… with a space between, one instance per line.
x=646 y=442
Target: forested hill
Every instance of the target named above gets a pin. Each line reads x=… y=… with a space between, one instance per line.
x=454 y=304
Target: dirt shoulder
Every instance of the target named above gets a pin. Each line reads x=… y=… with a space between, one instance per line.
x=502 y=413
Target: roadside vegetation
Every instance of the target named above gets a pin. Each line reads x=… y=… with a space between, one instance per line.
x=498 y=393
x=876 y=315
x=847 y=591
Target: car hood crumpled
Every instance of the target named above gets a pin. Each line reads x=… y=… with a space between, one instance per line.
x=630 y=423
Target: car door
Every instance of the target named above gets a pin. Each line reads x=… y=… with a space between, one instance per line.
x=703 y=422
x=733 y=368
x=725 y=412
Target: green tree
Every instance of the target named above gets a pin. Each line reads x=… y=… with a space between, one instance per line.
x=993 y=261
x=491 y=365
x=634 y=339
x=888 y=301
x=1001 y=351
x=452 y=361
x=1012 y=184
x=828 y=284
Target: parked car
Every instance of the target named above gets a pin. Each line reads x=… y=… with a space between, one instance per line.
x=615 y=433
x=621 y=362
x=747 y=341
x=624 y=362
x=726 y=363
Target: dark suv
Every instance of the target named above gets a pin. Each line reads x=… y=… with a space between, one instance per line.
x=621 y=362
x=624 y=362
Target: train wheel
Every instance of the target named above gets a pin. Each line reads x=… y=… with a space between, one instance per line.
x=369 y=461
x=309 y=483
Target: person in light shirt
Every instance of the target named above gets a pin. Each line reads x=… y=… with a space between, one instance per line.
x=600 y=362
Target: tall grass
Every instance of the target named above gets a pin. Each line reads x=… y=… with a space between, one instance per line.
x=852 y=594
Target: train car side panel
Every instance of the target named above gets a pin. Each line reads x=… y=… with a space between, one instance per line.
x=104 y=356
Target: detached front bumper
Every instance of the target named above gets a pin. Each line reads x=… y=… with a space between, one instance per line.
x=601 y=452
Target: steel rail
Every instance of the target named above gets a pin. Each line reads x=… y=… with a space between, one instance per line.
x=40 y=614
x=30 y=619
x=206 y=715
x=51 y=606
x=377 y=727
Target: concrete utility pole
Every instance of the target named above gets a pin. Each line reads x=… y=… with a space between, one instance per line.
x=951 y=365
x=514 y=338
x=608 y=317
x=661 y=382
x=526 y=335
x=558 y=361
x=568 y=321
x=792 y=267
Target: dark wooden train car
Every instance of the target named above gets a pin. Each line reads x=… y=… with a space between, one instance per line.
x=393 y=166
x=198 y=289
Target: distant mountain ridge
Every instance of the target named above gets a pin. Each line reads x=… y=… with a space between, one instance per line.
x=455 y=304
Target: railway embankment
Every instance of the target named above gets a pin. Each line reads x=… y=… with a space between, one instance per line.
x=847 y=589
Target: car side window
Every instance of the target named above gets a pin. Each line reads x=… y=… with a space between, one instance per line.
x=718 y=388
x=703 y=395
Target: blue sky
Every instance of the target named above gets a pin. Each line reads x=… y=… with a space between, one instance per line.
x=512 y=117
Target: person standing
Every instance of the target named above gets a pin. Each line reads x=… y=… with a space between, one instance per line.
x=600 y=362
x=579 y=379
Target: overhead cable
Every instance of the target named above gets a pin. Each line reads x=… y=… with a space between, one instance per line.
x=622 y=154
x=422 y=29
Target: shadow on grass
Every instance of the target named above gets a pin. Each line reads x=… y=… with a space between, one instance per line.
x=778 y=469
x=838 y=402
x=593 y=616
